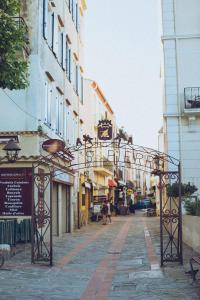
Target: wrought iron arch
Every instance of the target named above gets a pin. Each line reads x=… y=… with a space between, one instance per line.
x=116 y=153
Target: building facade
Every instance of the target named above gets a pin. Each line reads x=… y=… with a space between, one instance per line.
x=181 y=115
x=49 y=107
x=96 y=181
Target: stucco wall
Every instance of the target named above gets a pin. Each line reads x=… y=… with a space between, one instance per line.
x=191 y=231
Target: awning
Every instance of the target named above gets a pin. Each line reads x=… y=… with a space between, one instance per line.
x=112 y=183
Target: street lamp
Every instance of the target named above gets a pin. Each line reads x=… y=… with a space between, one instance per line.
x=12 y=150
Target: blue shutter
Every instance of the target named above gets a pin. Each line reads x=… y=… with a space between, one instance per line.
x=63 y=50
x=45 y=19
x=52 y=31
x=70 y=68
x=77 y=17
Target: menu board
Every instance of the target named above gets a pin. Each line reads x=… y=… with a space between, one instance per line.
x=15 y=192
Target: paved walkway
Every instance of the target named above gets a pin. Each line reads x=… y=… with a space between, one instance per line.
x=117 y=261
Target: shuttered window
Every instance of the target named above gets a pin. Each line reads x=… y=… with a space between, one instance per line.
x=68 y=64
x=48 y=99
x=45 y=19
x=52 y=31
x=63 y=51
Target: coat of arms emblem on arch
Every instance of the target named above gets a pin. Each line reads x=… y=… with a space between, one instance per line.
x=105 y=130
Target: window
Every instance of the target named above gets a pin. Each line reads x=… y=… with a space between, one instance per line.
x=69 y=5
x=66 y=122
x=74 y=72
x=77 y=17
x=52 y=31
x=73 y=9
x=75 y=129
x=45 y=19
x=77 y=80
x=48 y=100
x=60 y=129
x=68 y=61
x=81 y=95
x=80 y=86
x=59 y=114
x=63 y=51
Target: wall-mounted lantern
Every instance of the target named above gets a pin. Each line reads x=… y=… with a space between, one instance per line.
x=12 y=151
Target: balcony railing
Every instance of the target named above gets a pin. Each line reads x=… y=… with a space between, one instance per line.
x=20 y=22
x=108 y=165
x=192 y=97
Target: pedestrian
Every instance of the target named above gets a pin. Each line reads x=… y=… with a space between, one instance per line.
x=104 y=212
x=109 y=212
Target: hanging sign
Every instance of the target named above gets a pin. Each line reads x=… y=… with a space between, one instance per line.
x=53 y=145
x=105 y=130
x=15 y=192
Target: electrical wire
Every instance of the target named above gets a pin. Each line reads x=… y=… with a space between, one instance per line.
x=24 y=111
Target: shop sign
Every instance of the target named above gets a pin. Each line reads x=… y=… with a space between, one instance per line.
x=105 y=130
x=15 y=192
x=53 y=146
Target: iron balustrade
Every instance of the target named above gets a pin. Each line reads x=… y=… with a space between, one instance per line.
x=192 y=97
x=20 y=22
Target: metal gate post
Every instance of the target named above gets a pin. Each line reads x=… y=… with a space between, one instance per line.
x=50 y=221
x=161 y=220
x=180 y=218
x=33 y=219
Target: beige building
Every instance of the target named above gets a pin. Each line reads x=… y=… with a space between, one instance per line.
x=97 y=179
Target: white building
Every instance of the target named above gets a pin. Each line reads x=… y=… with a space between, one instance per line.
x=49 y=107
x=181 y=46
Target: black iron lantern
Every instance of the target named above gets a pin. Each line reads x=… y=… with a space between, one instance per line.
x=12 y=150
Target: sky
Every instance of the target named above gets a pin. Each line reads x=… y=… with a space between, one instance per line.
x=123 y=55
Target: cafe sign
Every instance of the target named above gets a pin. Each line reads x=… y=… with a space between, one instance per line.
x=105 y=130
x=15 y=192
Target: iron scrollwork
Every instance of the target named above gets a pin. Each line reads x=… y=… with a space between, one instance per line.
x=170 y=218
x=41 y=219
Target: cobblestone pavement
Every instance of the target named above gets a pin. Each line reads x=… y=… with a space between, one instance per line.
x=117 y=261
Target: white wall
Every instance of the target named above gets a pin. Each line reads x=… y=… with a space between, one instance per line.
x=181 y=44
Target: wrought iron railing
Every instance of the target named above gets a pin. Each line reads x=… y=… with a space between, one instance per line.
x=192 y=97
x=107 y=164
x=20 y=22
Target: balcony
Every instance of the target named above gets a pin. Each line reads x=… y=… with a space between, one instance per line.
x=21 y=24
x=104 y=167
x=192 y=100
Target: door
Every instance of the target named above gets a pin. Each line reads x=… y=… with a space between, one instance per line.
x=64 y=209
x=55 y=209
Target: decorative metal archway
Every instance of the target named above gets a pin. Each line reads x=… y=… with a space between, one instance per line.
x=114 y=154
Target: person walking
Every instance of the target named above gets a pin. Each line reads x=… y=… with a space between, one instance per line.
x=109 y=212
x=104 y=212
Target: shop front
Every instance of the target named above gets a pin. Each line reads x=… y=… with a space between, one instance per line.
x=85 y=200
x=61 y=204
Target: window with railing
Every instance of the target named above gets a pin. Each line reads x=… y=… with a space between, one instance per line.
x=192 y=97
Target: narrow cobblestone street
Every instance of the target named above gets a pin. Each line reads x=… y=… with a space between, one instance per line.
x=117 y=261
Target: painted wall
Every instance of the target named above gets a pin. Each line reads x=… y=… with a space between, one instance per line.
x=181 y=45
